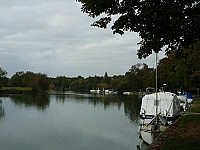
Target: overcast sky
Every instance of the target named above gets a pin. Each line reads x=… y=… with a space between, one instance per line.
x=54 y=37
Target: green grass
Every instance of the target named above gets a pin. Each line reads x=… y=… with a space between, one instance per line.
x=26 y=89
x=186 y=136
x=196 y=106
x=178 y=143
x=190 y=119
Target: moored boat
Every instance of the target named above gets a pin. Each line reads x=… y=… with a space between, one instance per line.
x=189 y=98
x=157 y=115
x=168 y=106
x=95 y=91
x=158 y=110
x=183 y=102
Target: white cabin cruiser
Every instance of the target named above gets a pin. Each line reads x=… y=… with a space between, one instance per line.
x=158 y=110
x=168 y=110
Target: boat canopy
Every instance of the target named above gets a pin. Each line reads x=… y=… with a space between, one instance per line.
x=189 y=96
x=168 y=104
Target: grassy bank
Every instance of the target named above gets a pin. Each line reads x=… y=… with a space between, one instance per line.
x=15 y=90
x=186 y=136
x=196 y=105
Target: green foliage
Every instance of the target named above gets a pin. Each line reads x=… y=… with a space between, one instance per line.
x=106 y=79
x=60 y=83
x=39 y=82
x=3 y=78
x=181 y=71
x=3 y=72
x=4 y=81
x=140 y=76
x=79 y=85
x=16 y=79
x=170 y=23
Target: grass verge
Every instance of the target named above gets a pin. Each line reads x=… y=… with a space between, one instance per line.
x=16 y=88
x=196 y=105
x=186 y=136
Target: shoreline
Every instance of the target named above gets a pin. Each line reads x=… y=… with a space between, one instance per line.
x=183 y=133
x=159 y=141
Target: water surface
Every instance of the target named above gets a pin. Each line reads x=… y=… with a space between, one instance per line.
x=69 y=122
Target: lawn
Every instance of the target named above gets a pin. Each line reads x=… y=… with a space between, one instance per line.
x=19 y=89
x=196 y=105
x=186 y=136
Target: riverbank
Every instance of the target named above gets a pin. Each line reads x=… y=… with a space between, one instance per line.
x=15 y=90
x=182 y=134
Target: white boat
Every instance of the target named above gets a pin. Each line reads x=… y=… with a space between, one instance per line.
x=183 y=102
x=110 y=92
x=168 y=110
x=128 y=93
x=189 y=98
x=95 y=91
x=148 y=137
x=107 y=91
x=168 y=107
x=158 y=110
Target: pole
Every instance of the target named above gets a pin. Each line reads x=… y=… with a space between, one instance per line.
x=156 y=90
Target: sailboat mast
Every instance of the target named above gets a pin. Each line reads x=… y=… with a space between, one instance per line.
x=156 y=90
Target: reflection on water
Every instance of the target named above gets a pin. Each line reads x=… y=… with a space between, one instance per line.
x=39 y=101
x=69 y=121
x=131 y=104
x=2 y=112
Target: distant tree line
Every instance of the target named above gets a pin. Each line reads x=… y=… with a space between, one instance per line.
x=177 y=71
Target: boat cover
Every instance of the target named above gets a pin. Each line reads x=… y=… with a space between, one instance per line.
x=189 y=96
x=183 y=102
x=168 y=104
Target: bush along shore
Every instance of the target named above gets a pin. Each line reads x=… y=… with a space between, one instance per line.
x=182 y=134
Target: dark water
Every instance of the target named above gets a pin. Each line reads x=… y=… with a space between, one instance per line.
x=69 y=122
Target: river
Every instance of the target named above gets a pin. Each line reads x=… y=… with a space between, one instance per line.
x=69 y=122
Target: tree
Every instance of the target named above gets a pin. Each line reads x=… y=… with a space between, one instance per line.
x=3 y=72
x=39 y=82
x=181 y=71
x=3 y=78
x=79 y=85
x=140 y=76
x=106 y=79
x=93 y=82
x=27 y=78
x=170 y=23
x=16 y=79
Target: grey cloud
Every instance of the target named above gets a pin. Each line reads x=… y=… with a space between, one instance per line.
x=54 y=37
